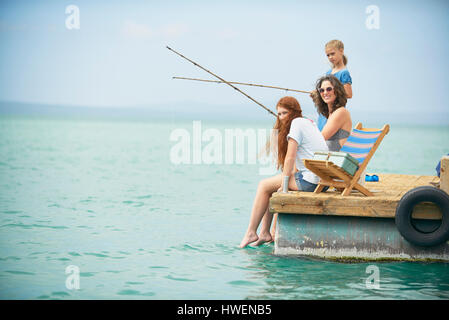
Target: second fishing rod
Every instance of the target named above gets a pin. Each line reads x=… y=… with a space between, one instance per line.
x=244 y=84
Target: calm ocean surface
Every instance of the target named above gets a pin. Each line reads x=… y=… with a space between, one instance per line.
x=103 y=195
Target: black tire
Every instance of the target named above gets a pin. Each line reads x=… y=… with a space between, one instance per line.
x=403 y=218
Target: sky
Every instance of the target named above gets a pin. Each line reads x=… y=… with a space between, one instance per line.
x=118 y=56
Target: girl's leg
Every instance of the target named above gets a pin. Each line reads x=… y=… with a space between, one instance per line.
x=260 y=207
x=273 y=228
x=264 y=190
x=265 y=234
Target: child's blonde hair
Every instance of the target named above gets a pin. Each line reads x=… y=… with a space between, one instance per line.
x=337 y=44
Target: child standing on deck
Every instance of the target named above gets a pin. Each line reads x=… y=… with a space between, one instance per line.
x=335 y=53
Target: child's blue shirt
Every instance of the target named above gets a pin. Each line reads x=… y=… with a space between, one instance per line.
x=342 y=75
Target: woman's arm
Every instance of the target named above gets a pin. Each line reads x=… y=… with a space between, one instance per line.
x=334 y=123
x=348 y=90
x=290 y=158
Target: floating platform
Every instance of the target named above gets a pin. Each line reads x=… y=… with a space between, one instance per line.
x=354 y=227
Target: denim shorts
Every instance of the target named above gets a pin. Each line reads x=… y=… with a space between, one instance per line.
x=304 y=185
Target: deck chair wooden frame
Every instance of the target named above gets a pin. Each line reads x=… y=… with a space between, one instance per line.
x=333 y=176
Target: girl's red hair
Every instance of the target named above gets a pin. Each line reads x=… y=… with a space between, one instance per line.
x=292 y=105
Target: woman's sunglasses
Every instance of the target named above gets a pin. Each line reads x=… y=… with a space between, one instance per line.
x=328 y=89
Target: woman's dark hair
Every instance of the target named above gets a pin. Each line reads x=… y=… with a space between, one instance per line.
x=339 y=91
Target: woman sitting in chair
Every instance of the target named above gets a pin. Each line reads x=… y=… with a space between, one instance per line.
x=298 y=138
x=331 y=102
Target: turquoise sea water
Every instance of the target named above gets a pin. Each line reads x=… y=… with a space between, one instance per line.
x=104 y=196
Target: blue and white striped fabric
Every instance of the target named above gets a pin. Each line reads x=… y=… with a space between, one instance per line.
x=360 y=142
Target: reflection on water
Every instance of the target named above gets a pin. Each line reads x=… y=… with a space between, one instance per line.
x=299 y=277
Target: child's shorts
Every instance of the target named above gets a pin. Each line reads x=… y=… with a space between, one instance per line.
x=304 y=185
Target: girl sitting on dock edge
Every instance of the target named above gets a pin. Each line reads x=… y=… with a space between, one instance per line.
x=298 y=138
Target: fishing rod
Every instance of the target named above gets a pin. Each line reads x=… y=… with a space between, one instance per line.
x=224 y=81
x=243 y=83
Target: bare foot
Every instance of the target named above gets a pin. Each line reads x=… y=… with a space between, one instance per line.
x=247 y=239
x=266 y=237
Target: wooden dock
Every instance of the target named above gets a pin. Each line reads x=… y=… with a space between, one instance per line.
x=387 y=193
x=355 y=227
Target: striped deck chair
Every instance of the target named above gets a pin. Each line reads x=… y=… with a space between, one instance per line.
x=361 y=144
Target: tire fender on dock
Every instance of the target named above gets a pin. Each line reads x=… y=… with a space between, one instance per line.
x=403 y=217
